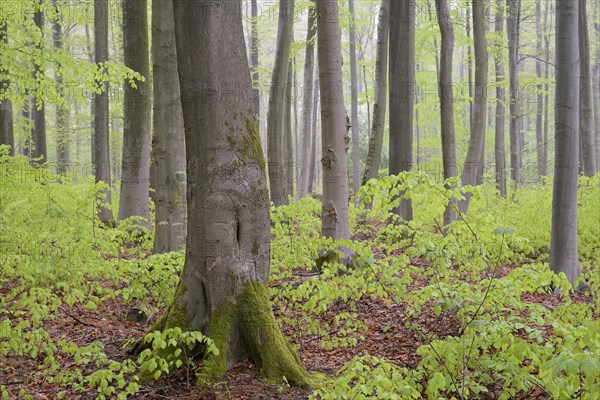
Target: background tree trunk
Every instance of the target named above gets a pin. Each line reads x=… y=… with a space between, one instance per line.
x=354 y=103
x=135 y=180
x=168 y=142
x=563 y=244
x=539 y=134
x=7 y=136
x=223 y=289
x=547 y=25
x=101 y=148
x=38 y=113
x=586 y=114
x=402 y=93
x=499 y=151
x=512 y=27
x=62 y=113
x=312 y=174
x=288 y=135
x=275 y=114
x=380 y=104
x=334 y=128
x=447 y=100
x=304 y=142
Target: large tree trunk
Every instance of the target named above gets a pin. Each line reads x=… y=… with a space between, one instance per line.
x=312 y=174
x=539 y=135
x=563 y=244
x=223 y=288
x=304 y=143
x=168 y=144
x=472 y=173
x=254 y=57
x=499 y=151
x=380 y=104
x=275 y=114
x=135 y=181
x=7 y=136
x=512 y=27
x=334 y=127
x=586 y=114
x=354 y=103
x=447 y=100
x=402 y=93
x=38 y=110
x=62 y=113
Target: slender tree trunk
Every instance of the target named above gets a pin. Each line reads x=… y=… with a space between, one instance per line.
x=563 y=244
x=469 y=67
x=354 y=103
x=168 y=143
x=38 y=110
x=312 y=175
x=254 y=57
x=586 y=114
x=402 y=83
x=447 y=101
x=7 y=136
x=334 y=127
x=275 y=149
x=512 y=24
x=288 y=134
x=379 y=106
x=62 y=113
x=547 y=25
x=539 y=134
x=135 y=181
x=304 y=142
x=499 y=151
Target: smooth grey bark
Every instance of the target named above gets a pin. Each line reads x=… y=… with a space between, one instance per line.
x=500 y=115
x=539 y=132
x=135 y=171
x=223 y=288
x=563 y=242
x=354 y=103
x=168 y=143
x=402 y=93
x=445 y=89
x=313 y=141
x=469 y=67
x=7 y=136
x=547 y=26
x=586 y=113
x=254 y=56
x=38 y=114
x=334 y=127
x=288 y=134
x=304 y=138
x=472 y=173
x=62 y=113
x=275 y=113
x=512 y=27
x=379 y=106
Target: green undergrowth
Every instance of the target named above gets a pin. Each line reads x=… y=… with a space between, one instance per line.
x=489 y=272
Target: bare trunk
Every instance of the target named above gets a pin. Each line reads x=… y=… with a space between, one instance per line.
x=304 y=142
x=38 y=110
x=275 y=115
x=7 y=136
x=447 y=101
x=499 y=151
x=402 y=83
x=312 y=174
x=354 y=103
x=288 y=142
x=254 y=57
x=539 y=136
x=563 y=244
x=168 y=142
x=586 y=115
x=469 y=68
x=547 y=25
x=334 y=129
x=380 y=104
x=135 y=181
x=62 y=113
x=512 y=25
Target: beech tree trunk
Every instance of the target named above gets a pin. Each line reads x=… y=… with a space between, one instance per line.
x=168 y=142
x=223 y=289
x=499 y=151
x=512 y=26
x=254 y=57
x=62 y=113
x=547 y=25
x=275 y=114
x=7 y=136
x=445 y=90
x=288 y=135
x=563 y=242
x=38 y=113
x=334 y=127
x=304 y=142
x=402 y=93
x=380 y=104
x=472 y=173
x=586 y=114
x=312 y=174
x=539 y=134
x=135 y=172
x=354 y=103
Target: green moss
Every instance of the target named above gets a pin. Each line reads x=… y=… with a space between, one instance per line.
x=255 y=248
x=251 y=146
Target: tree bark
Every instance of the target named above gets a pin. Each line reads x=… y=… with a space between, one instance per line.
x=334 y=127
x=354 y=103
x=40 y=150
x=288 y=134
x=313 y=142
x=223 y=288
x=586 y=114
x=547 y=26
x=380 y=104
x=62 y=113
x=402 y=94
x=254 y=57
x=168 y=142
x=499 y=151
x=472 y=173
x=304 y=142
x=539 y=134
x=563 y=244
x=512 y=27
x=7 y=136
x=275 y=114
x=135 y=180
x=445 y=90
